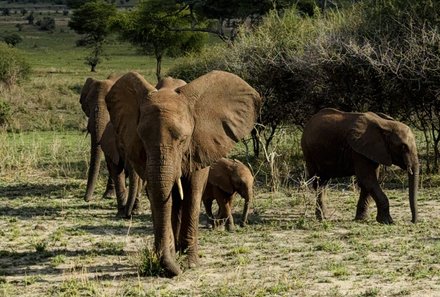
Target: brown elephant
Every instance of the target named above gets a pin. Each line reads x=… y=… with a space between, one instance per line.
x=103 y=139
x=337 y=144
x=226 y=178
x=171 y=136
x=92 y=101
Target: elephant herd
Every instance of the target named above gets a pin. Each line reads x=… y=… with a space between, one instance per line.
x=171 y=141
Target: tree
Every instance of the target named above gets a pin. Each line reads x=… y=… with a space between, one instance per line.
x=224 y=17
x=93 y=20
x=46 y=24
x=148 y=27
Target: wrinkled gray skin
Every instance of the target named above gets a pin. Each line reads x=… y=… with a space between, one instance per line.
x=171 y=134
x=338 y=144
x=103 y=139
x=226 y=178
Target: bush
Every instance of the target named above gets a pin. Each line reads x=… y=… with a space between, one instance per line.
x=46 y=24
x=12 y=39
x=13 y=66
x=5 y=112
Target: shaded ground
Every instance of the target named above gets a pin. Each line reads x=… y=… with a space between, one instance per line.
x=54 y=244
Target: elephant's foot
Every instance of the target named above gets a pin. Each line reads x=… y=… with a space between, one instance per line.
x=192 y=260
x=137 y=209
x=109 y=194
x=170 y=267
x=230 y=227
x=361 y=216
x=121 y=212
x=384 y=219
x=243 y=224
x=88 y=198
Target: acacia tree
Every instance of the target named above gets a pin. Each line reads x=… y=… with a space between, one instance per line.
x=148 y=28
x=93 y=20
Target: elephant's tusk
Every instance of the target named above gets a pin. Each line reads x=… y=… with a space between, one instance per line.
x=410 y=171
x=179 y=186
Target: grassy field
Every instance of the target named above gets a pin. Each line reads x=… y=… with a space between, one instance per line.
x=49 y=100
x=55 y=244
x=52 y=243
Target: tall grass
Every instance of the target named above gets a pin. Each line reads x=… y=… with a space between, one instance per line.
x=44 y=154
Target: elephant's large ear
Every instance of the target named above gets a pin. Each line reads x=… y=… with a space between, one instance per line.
x=367 y=137
x=123 y=102
x=225 y=109
x=84 y=94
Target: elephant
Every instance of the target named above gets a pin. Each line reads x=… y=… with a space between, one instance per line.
x=171 y=136
x=103 y=139
x=227 y=177
x=92 y=100
x=338 y=144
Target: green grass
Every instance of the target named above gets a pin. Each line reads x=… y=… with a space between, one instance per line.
x=49 y=100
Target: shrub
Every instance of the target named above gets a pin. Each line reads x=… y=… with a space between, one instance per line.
x=46 y=24
x=5 y=112
x=13 y=66
x=12 y=39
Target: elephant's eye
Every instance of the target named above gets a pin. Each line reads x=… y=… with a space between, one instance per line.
x=182 y=140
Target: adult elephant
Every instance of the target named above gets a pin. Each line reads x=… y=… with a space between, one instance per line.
x=337 y=144
x=226 y=178
x=92 y=101
x=104 y=140
x=171 y=136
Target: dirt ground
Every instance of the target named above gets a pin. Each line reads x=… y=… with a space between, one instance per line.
x=55 y=244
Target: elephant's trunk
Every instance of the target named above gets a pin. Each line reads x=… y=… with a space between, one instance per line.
x=95 y=160
x=161 y=180
x=413 y=181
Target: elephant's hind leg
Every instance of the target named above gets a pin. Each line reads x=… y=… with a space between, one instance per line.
x=208 y=198
x=230 y=219
x=118 y=175
x=110 y=188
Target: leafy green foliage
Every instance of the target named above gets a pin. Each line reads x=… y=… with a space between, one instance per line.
x=13 y=66
x=376 y=55
x=12 y=39
x=5 y=112
x=93 y=20
x=149 y=27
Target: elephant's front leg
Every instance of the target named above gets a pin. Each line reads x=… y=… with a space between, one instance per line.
x=366 y=172
x=194 y=187
x=230 y=219
x=364 y=201
x=362 y=205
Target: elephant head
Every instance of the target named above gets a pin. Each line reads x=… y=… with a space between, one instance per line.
x=92 y=101
x=170 y=134
x=387 y=141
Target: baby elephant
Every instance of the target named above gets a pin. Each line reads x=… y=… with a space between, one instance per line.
x=227 y=177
